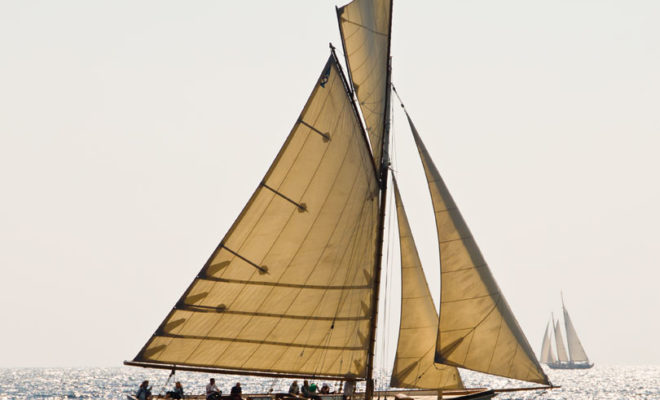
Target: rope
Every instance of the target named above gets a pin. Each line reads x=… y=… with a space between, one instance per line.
x=162 y=390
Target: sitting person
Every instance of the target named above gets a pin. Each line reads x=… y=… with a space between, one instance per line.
x=144 y=391
x=177 y=393
x=325 y=389
x=307 y=392
x=294 y=390
x=236 y=391
x=212 y=391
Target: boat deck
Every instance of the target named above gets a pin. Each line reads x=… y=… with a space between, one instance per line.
x=467 y=394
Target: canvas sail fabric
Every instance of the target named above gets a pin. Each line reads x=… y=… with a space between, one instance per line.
x=413 y=364
x=288 y=289
x=476 y=329
x=562 y=356
x=575 y=348
x=365 y=30
x=547 y=356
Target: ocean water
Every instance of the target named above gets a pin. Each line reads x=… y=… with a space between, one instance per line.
x=600 y=382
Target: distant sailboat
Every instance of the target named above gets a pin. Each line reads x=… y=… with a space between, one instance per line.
x=292 y=290
x=575 y=358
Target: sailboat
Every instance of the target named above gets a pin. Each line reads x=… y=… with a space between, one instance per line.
x=292 y=290
x=575 y=358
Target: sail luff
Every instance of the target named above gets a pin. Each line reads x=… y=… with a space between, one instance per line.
x=414 y=365
x=365 y=27
x=288 y=288
x=354 y=106
x=476 y=329
x=575 y=349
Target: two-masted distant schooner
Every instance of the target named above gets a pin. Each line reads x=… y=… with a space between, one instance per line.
x=257 y=308
x=575 y=358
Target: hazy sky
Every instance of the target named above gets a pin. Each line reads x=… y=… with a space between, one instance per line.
x=133 y=132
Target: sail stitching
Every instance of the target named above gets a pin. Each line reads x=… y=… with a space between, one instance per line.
x=364 y=26
x=208 y=309
x=497 y=338
x=278 y=284
x=468 y=268
x=260 y=342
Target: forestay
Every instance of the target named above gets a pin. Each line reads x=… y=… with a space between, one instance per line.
x=413 y=364
x=288 y=290
x=476 y=329
x=365 y=29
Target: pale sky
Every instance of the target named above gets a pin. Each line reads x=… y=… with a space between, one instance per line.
x=133 y=132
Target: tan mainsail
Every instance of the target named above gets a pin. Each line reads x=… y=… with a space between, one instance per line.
x=561 y=349
x=547 y=356
x=477 y=329
x=413 y=363
x=365 y=30
x=288 y=290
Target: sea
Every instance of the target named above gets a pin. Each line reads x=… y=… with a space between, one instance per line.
x=601 y=382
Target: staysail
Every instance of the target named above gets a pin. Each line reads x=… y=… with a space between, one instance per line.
x=288 y=290
x=476 y=329
x=562 y=356
x=547 y=355
x=365 y=30
x=575 y=348
x=413 y=364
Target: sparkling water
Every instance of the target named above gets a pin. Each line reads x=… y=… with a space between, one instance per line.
x=600 y=382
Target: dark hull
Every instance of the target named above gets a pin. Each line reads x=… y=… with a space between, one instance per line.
x=570 y=365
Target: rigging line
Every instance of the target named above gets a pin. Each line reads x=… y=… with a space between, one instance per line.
x=398 y=97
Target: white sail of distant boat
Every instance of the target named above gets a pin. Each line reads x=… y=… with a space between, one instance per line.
x=575 y=349
x=547 y=355
x=292 y=289
x=562 y=355
x=575 y=358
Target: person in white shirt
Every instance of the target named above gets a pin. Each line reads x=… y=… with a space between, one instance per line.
x=212 y=391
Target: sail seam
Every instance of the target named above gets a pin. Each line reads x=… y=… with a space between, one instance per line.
x=465 y=269
x=207 y=309
x=365 y=27
x=470 y=298
x=288 y=285
x=260 y=342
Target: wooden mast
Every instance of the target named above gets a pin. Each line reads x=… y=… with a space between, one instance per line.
x=384 y=173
